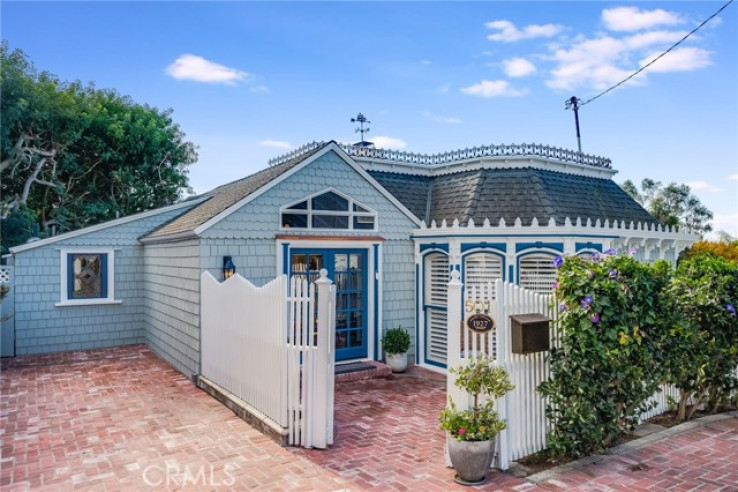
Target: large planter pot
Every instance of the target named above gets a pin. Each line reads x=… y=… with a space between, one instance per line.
x=470 y=459
x=397 y=362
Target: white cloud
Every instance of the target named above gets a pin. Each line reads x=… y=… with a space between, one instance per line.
x=261 y=89
x=703 y=186
x=197 y=68
x=508 y=33
x=727 y=222
x=733 y=177
x=635 y=19
x=441 y=119
x=679 y=60
x=493 y=88
x=598 y=63
x=518 y=67
x=279 y=144
x=384 y=142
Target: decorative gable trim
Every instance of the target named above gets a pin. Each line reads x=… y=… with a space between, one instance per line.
x=332 y=146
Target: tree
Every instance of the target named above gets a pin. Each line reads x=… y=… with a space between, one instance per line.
x=672 y=205
x=72 y=155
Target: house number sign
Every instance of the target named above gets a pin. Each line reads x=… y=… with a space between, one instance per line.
x=480 y=323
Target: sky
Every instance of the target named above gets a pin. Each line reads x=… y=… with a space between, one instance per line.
x=248 y=81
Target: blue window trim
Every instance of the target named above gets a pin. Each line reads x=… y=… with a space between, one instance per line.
x=428 y=249
x=483 y=245
x=538 y=245
x=103 y=276
x=434 y=246
x=376 y=301
x=588 y=246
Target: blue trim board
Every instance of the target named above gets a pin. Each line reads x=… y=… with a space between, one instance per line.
x=539 y=244
x=376 y=301
x=442 y=247
x=417 y=314
x=588 y=245
x=483 y=245
x=286 y=258
x=510 y=274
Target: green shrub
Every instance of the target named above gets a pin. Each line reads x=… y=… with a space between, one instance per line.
x=703 y=353
x=614 y=317
x=480 y=422
x=396 y=341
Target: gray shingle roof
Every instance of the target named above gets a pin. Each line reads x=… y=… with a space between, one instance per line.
x=511 y=193
x=224 y=197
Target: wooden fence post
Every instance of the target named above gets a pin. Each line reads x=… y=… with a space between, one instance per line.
x=324 y=358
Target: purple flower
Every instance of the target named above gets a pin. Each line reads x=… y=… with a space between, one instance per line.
x=730 y=308
x=613 y=273
x=588 y=299
x=610 y=251
x=585 y=306
x=633 y=251
x=595 y=257
x=595 y=318
x=689 y=291
x=562 y=307
x=558 y=261
x=555 y=285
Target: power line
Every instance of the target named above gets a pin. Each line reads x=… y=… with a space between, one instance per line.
x=658 y=57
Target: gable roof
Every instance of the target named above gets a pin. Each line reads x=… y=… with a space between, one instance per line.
x=105 y=225
x=226 y=199
x=511 y=193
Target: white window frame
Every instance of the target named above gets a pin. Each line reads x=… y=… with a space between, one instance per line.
x=110 y=299
x=309 y=212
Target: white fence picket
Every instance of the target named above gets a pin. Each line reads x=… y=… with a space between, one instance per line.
x=272 y=346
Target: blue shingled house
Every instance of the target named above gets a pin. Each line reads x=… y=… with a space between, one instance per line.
x=388 y=226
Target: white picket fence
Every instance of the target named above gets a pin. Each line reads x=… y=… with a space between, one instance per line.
x=272 y=347
x=523 y=408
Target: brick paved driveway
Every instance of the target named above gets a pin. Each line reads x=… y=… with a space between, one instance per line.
x=116 y=419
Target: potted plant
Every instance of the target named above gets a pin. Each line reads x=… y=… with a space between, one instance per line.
x=472 y=431
x=396 y=343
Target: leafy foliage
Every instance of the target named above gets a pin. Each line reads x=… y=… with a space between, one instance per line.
x=672 y=204
x=480 y=422
x=726 y=249
x=615 y=316
x=75 y=155
x=396 y=341
x=704 y=351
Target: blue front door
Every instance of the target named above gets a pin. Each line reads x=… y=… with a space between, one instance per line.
x=347 y=269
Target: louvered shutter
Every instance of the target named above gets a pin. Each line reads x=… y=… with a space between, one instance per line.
x=537 y=273
x=436 y=291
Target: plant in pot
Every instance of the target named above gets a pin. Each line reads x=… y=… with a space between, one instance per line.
x=472 y=431
x=396 y=343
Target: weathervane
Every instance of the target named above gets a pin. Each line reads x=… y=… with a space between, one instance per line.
x=573 y=103
x=361 y=119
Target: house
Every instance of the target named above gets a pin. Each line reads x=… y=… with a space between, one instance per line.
x=388 y=226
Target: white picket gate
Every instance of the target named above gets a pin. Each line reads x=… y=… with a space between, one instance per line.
x=523 y=408
x=272 y=347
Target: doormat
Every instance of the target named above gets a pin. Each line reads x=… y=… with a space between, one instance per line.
x=355 y=371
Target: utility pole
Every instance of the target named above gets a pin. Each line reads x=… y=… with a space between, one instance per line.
x=361 y=119
x=573 y=103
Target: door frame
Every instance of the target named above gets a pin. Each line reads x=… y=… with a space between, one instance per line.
x=373 y=248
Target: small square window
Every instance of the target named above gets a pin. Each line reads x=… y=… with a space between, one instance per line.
x=87 y=277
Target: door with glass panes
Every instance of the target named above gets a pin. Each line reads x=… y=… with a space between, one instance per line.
x=347 y=269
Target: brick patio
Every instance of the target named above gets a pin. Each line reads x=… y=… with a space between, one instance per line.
x=114 y=419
